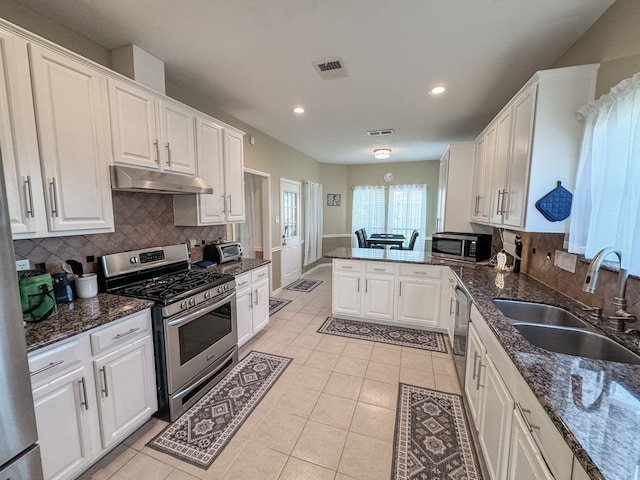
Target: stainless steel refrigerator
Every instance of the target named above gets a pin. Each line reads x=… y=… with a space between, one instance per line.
x=19 y=453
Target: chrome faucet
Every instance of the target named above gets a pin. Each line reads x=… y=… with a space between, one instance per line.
x=620 y=316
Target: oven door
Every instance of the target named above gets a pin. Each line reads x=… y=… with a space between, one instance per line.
x=198 y=339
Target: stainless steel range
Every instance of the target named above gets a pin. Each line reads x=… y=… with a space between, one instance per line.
x=194 y=320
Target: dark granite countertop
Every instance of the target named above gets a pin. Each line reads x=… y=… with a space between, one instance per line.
x=383 y=255
x=239 y=267
x=80 y=316
x=601 y=425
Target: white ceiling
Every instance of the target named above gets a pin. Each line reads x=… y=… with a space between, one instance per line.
x=253 y=58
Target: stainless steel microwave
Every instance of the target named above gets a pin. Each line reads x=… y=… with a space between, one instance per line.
x=472 y=247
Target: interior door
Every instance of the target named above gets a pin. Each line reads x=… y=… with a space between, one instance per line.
x=290 y=230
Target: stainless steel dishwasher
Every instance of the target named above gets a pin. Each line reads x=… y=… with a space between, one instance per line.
x=461 y=326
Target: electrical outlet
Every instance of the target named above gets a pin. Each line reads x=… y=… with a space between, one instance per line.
x=192 y=242
x=23 y=265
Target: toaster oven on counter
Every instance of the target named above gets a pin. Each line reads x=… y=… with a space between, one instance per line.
x=222 y=252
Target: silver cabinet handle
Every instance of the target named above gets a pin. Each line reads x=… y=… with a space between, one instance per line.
x=54 y=197
x=503 y=209
x=47 y=367
x=120 y=335
x=105 y=388
x=257 y=299
x=400 y=292
x=451 y=300
x=155 y=144
x=28 y=196
x=378 y=269
x=168 y=146
x=477 y=210
x=498 y=203
x=243 y=283
x=524 y=413
x=263 y=274
x=250 y=299
x=224 y=203
x=366 y=285
x=480 y=367
x=346 y=267
x=358 y=285
x=476 y=356
x=420 y=273
x=84 y=401
x=230 y=207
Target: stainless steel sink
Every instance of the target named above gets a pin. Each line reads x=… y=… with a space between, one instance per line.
x=538 y=313
x=581 y=343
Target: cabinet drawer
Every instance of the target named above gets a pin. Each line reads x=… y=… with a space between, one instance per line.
x=347 y=266
x=121 y=333
x=259 y=274
x=422 y=271
x=47 y=363
x=380 y=268
x=554 y=449
x=243 y=281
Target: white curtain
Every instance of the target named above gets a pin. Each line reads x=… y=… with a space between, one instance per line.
x=312 y=222
x=367 y=210
x=606 y=204
x=408 y=211
x=246 y=230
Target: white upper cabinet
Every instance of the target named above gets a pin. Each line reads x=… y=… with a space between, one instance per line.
x=532 y=144
x=221 y=165
x=20 y=156
x=149 y=131
x=71 y=118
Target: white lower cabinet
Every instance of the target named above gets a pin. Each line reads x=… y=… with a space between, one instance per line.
x=81 y=412
x=252 y=303
x=525 y=461
x=408 y=294
x=517 y=439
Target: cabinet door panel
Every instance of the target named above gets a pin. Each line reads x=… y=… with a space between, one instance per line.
x=63 y=424
x=244 y=311
x=134 y=127
x=378 y=297
x=179 y=149
x=71 y=116
x=210 y=168
x=20 y=157
x=495 y=420
x=500 y=166
x=125 y=386
x=260 y=306
x=525 y=462
x=419 y=302
x=234 y=176
x=346 y=295
x=515 y=200
x=472 y=385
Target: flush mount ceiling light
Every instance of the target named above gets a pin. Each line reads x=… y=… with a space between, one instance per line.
x=298 y=110
x=382 y=153
x=439 y=90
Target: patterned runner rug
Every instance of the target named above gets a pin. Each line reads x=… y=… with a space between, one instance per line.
x=303 y=285
x=200 y=434
x=276 y=304
x=406 y=337
x=432 y=437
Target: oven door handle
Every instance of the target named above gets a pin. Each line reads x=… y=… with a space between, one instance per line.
x=201 y=311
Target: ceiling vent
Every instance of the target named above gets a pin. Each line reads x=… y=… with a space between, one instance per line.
x=330 y=69
x=380 y=133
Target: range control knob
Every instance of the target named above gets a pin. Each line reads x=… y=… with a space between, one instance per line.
x=192 y=302
x=207 y=295
x=133 y=260
x=184 y=305
x=220 y=289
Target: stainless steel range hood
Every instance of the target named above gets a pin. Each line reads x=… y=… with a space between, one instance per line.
x=137 y=180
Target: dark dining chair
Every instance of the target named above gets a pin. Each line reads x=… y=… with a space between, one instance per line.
x=364 y=232
x=362 y=242
x=412 y=242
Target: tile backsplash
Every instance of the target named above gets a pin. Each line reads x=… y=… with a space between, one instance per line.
x=539 y=265
x=141 y=220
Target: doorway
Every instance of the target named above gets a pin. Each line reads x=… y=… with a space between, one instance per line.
x=255 y=233
x=290 y=231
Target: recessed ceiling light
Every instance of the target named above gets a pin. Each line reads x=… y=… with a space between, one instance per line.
x=382 y=153
x=439 y=90
x=298 y=110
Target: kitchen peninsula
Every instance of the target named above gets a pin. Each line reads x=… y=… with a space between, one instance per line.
x=593 y=404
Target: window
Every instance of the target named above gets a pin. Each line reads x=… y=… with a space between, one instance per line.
x=368 y=209
x=407 y=209
x=606 y=204
x=403 y=211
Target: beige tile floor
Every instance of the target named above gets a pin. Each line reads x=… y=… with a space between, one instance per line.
x=330 y=416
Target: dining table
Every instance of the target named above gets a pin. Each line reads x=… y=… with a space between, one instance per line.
x=386 y=239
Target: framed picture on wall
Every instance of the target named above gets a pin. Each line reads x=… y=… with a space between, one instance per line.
x=334 y=199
